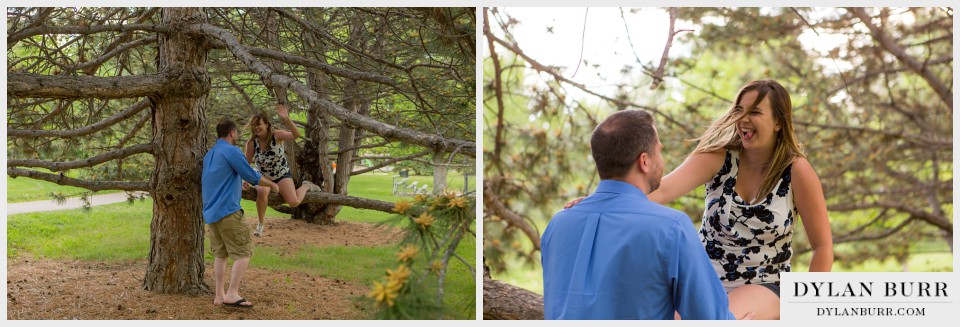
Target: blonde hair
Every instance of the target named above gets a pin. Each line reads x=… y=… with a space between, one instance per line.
x=722 y=133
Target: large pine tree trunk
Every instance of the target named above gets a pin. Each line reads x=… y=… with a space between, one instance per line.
x=341 y=176
x=439 y=173
x=315 y=166
x=175 y=263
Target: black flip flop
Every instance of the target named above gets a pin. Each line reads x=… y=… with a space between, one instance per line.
x=238 y=304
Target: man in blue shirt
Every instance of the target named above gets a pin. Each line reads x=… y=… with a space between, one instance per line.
x=618 y=255
x=223 y=167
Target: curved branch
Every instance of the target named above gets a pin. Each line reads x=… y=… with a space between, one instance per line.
x=316 y=30
x=137 y=107
x=136 y=128
x=492 y=204
x=382 y=129
x=358 y=147
x=895 y=49
x=89 y=162
x=932 y=143
x=62 y=179
x=113 y=53
x=536 y=65
x=938 y=221
x=75 y=87
x=82 y=30
x=390 y=162
x=324 y=67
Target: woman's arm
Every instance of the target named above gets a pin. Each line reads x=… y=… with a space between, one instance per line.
x=248 y=150
x=282 y=135
x=808 y=196
x=695 y=171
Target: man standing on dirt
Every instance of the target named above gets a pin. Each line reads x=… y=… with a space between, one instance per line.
x=223 y=167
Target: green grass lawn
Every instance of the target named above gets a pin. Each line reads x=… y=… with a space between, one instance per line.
x=23 y=189
x=121 y=231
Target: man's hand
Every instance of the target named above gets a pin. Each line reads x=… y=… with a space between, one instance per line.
x=245 y=185
x=274 y=187
x=573 y=202
x=282 y=112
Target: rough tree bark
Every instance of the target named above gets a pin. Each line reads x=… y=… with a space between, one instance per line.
x=175 y=263
x=503 y=301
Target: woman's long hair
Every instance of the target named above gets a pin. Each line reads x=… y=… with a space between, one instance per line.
x=255 y=120
x=723 y=131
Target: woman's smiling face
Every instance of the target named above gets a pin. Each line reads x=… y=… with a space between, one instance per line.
x=757 y=128
x=260 y=129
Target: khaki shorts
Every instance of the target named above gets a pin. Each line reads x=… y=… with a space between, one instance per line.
x=230 y=236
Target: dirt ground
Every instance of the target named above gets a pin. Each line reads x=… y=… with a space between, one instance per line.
x=69 y=289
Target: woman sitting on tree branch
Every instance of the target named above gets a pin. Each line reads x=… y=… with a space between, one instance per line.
x=265 y=148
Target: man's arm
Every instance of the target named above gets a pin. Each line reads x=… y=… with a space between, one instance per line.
x=273 y=186
x=698 y=293
x=242 y=167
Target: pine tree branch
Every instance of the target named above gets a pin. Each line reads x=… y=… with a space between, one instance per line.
x=101 y=125
x=390 y=162
x=88 y=162
x=62 y=179
x=76 y=87
x=386 y=131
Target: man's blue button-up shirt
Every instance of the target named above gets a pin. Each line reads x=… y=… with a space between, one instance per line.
x=618 y=255
x=223 y=166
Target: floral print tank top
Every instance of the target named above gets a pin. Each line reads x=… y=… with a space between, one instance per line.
x=747 y=243
x=273 y=162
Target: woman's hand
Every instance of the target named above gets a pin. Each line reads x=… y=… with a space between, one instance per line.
x=573 y=202
x=282 y=112
x=282 y=135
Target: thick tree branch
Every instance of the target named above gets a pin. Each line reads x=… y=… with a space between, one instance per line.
x=110 y=121
x=940 y=222
x=328 y=198
x=377 y=127
x=62 y=179
x=319 y=32
x=76 y=87
x=88 y=162
x=358 y=147
x=498 y=95
x=136 y=128
x=493 y=206
x=81 y=30
x=892 y=47
x=324 y=67
x=502 y=301
x=658 y=75
x=934 y=144
x=112 y=53
x=390 y=162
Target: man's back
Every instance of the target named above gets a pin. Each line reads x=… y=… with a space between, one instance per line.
x=223 y=167
x=617 y=255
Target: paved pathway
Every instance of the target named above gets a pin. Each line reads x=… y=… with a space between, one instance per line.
x=71 y=203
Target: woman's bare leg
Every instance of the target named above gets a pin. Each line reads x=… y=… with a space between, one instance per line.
x=263 y=192
x=757 y=299
x=292 y=196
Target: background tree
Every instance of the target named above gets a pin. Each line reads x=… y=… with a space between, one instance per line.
x=366 y=80
x=873 y=111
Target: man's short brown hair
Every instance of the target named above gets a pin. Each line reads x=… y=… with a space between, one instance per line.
x=225 y=127
x=620 y=139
